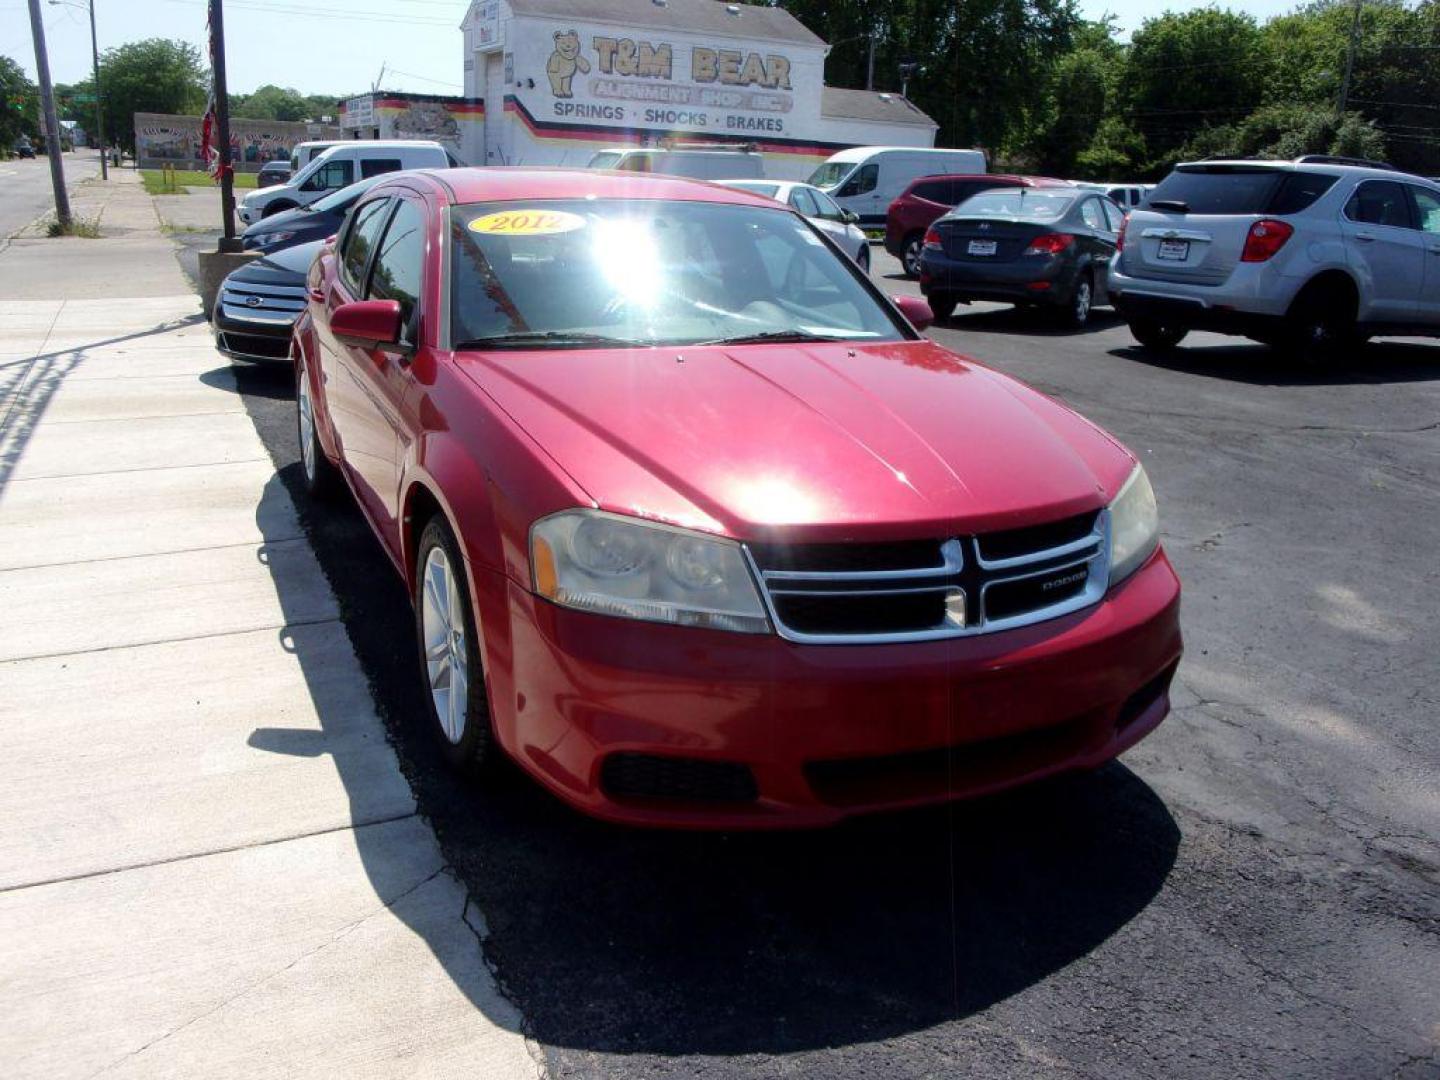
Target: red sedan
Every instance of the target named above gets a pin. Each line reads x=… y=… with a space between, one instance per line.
x=699 y=529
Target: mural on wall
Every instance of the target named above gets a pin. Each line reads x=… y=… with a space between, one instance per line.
x=427 y=120
x=176 y=139
x=564 y=62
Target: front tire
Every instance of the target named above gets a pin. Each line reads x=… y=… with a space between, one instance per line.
x=1155 y=336
x=449 y=646
x=321 y=478
x=910 y=254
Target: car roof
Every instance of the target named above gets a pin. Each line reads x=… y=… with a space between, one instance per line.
x=508 y=183
x=1004 y=178
x=1329 y=168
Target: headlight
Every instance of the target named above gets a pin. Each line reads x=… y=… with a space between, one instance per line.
x=614 y=565
x=273 y=238
x=1134 y=526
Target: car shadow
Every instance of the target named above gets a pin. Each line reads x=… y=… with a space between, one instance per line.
x=1258 y=365
x=1035 y=322
x=275 y=381
x=618 y=940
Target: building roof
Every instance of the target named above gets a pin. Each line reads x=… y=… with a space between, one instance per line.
x=694 y=16
x=846 y=104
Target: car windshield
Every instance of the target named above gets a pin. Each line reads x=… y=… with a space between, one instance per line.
x=340 y=200
x=768 y=190
x=606 y=159
x=830 y=174
x=649 y=272
x=1024 y=203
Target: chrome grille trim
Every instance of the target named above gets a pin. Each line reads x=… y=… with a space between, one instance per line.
x=1090 y=552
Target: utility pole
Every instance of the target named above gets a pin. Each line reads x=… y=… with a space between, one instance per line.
x=99 y=112
x=52 y=125
x=229 y=242
x=870 y=65
x=1349 y=60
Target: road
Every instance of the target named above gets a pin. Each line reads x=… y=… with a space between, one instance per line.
x=1254 y=891
x=25 y=191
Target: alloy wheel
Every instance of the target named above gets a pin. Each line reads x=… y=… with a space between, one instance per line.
x=447 y=664
x=306 y=409
x=911 y=258
x=1080 y=308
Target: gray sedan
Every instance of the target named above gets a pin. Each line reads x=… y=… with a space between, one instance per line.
x=822 y=211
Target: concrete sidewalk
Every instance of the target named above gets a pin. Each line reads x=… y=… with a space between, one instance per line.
x=211 y=865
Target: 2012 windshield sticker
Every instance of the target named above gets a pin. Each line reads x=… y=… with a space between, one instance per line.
x=527 y=223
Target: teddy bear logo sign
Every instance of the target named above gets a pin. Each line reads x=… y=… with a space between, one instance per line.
x=564 y=62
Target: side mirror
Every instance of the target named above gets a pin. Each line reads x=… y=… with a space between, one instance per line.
x=912 y=307
x=368 y=324
x=849 y=217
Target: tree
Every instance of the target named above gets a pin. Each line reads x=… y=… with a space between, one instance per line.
x=154 y=75
x=1183 y=72
x=1079 y=98
x=271 y=103
x=19 y=105
x=1288 y=131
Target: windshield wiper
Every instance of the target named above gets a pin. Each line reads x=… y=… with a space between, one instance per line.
x=772 y=335
x=1178 y=205
x=522 y=338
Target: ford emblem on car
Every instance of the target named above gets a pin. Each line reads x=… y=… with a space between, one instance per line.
x=253 y=301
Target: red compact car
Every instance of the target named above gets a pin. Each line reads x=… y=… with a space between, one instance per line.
x=927 y=198
x=699 y=529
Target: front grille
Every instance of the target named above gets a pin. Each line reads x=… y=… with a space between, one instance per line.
x=919 y=590
x=269 y=304
x=650 y=776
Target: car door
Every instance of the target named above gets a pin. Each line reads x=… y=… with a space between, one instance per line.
x=803 y=203
x=345 y=400
x=1385 y=250
x=381 y=376
x=1427 y=218
x=1098 y=239
x=861 y=193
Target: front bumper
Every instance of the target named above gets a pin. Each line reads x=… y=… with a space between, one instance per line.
x=246 y=339
x=246 y=214
x=751 y=731
x=1026 y=279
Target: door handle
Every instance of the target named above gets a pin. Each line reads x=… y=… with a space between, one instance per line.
x=1367 y=237
x=1435 y=249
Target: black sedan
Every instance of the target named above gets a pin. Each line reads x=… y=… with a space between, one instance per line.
x=259 y=303
x=272 y=173
x=1030 y=246
x=320 y=219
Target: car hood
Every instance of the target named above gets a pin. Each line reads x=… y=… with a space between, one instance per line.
x=824 y=441
x=287 y=266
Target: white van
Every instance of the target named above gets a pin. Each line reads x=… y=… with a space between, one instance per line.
x=691 y=164
x=867 y=179
x=306 y=152
x=340 y=166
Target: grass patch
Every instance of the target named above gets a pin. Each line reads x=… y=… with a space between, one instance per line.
x=157 y=181
x=88 y=228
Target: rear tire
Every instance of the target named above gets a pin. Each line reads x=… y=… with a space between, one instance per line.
x=1320 y=327
x=942 y=304
x=910 y=254
x=453 y=678
x=1156 y=337
x=1076 y=312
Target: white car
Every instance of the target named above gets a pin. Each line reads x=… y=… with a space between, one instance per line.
x=1312 y=255
x=822 y=211
x=338 y=167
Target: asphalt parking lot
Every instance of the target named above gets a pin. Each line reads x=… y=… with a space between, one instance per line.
x=1253 y=891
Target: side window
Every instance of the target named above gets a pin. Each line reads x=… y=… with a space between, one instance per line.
x=1114 y=215
x=1379 y=202
x=332 y=176
x=375 y=166
x=1092 y=215
x=933 y=191
x=359 y=242
x=866 y=179
x=1427 y=205
x=800 y=199
x=829 y=208
x=400 y=260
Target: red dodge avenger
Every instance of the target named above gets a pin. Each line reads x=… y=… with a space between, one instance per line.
x=699 y=529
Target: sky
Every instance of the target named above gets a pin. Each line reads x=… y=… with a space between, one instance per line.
x=338 y=46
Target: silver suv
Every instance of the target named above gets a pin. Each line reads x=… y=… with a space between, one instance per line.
x=1310 y=255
